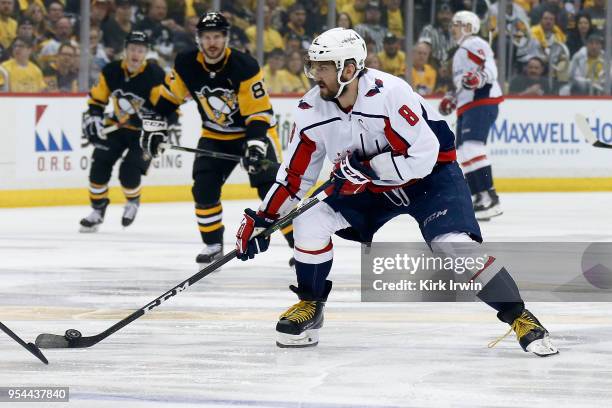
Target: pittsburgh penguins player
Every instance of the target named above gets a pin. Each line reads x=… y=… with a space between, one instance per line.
x=126 y=85
x=237 y=118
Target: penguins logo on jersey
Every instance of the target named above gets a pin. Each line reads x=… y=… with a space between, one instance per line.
x=126 y=104
x=219 y=104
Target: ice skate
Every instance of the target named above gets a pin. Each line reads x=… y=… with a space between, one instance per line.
x=299 y=325
x=530 y=333
x=92 y=222
x=486 y=205
x=129 y=212
x=209 y=254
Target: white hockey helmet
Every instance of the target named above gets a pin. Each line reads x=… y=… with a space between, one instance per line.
x=338 y=45
x=464 y=18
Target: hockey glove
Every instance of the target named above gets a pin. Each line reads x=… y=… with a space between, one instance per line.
x=254 y=155
x=248 y=243
x=154 y=132
x=473 y=80
x=350 y=176
x=448 y=104
x=93 y=130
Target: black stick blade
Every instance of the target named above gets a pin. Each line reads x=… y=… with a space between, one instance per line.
x=36 y=351
x=47 y=341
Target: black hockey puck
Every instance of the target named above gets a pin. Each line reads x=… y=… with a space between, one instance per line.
x=72 y=334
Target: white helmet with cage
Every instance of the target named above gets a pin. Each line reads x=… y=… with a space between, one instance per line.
x=465 y=18
x=337 y=45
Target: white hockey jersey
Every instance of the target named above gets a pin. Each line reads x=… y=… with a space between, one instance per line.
x=390 y=125
x=475 y=54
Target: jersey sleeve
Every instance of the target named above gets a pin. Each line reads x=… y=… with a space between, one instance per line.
x=98 y=95
x=297 y=174
x=414 y=146
x=475 y=56
x=253 y=99
x=169 y=95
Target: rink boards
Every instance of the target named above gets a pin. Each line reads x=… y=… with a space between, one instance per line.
x=534 y=146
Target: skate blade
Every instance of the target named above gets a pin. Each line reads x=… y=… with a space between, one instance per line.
x=488 y=214
x=542 y=347
x=309 y=338
x=126 y=222
x=89 y=230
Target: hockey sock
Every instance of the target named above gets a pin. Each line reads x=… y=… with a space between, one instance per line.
x=209 y=222
x=480 y=180
x=131 y=193
x=98 y=195
x=501 y=293
x=312 y=278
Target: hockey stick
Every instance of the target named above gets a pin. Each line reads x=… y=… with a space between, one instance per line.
x=265 y=163
x=73 y=338
x=587 y=132
x=28 y=346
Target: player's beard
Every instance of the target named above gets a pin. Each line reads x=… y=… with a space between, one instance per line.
x=214 y=55
x=327 y=93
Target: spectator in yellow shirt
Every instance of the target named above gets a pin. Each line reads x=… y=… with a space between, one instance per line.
x=392 y=60
x=297 y=79
x=276 y=77
x=547 y=32
x=356 y=10
x=19 y=74
x=8 y=25
x=423 y=74
x=395 y=21
x=23 y=5
x=272 y=38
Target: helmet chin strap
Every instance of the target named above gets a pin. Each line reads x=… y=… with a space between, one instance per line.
x=342 y=83
x=464 y=35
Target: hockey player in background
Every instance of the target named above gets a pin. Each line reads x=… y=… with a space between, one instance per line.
x=126 y=85
x=237 y=118
x=393 y=155
x=477 y=98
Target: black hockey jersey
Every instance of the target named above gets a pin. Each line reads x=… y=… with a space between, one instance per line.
x=127 y=92
x=228 y=98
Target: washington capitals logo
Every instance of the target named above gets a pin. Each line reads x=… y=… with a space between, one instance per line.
x=376 y=90
x=304 y=105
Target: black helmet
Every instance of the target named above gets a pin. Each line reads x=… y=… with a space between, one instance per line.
x=213 y=21
x=137 y=37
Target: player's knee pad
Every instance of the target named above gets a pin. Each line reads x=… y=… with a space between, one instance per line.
x=473 y=156
x=206 y=190
x=313 y=251
x=313 y=229
x=100 y=172
x=130 y=174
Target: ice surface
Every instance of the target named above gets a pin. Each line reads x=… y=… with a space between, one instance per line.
x=213 y=346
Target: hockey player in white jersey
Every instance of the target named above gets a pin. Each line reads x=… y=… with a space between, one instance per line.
x=393 y=155
x=477 y=98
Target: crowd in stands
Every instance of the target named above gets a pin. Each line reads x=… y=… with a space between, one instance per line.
x=553 y=46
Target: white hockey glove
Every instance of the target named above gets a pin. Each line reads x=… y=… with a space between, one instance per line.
x=154 y=133
x=254 y=154
x=93 y=130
